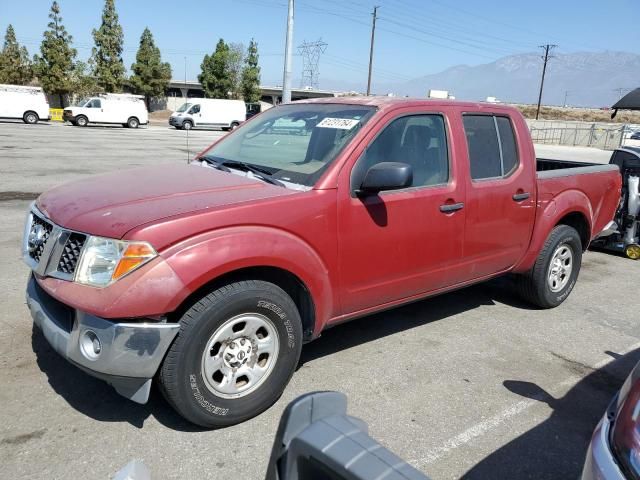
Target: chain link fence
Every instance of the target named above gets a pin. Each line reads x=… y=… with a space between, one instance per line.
x=585 y=134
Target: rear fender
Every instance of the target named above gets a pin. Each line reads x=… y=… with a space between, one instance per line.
x=550 y=212
x=201 y=259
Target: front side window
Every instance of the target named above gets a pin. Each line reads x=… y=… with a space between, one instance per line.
x=295 y=143
x=195 y=109
x=417 y=140
x=93 y=103
x=492 y=146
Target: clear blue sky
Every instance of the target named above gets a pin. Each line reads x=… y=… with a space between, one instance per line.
x=414 y=38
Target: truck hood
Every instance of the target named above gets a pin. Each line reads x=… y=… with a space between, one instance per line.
x=112 y=204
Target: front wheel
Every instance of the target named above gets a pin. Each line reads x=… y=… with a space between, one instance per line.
x=81 y=121
x=187 y=125
x=30 y=118
x=236 y=351
x=555 y=272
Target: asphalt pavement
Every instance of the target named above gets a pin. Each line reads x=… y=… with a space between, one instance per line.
x=472 y=384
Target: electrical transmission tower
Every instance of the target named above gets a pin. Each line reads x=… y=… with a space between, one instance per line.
x=311 y=52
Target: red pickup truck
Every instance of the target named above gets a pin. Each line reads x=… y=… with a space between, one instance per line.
x=209 y=277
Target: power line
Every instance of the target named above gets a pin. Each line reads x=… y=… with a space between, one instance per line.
x=547 y=48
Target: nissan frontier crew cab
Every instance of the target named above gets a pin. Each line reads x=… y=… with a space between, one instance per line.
x=207 y=278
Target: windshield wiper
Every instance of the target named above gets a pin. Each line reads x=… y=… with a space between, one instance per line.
x=215 y=163
x=224 y=165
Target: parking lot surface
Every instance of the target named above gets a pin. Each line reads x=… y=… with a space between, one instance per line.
x=472 y=384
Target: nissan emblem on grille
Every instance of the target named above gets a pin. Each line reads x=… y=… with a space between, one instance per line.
x=36 y=237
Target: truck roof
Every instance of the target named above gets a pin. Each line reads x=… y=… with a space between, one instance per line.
x=395 y=102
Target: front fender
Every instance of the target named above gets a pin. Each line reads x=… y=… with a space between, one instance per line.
x=550 y=211
x=203 y=258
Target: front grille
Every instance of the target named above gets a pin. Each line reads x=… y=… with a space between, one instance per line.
x=38 y=235
x=71 y=253
x=50 y=250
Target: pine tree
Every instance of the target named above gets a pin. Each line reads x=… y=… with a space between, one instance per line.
x=106 y=56
x=251 y=75
x=15 y=66
x=215 y=78
x=150 y=75
x=55 y=64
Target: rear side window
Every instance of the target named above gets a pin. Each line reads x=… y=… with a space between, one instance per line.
x=492 y=146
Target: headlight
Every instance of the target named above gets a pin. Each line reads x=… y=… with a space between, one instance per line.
x=626 y=430
x=105 y=260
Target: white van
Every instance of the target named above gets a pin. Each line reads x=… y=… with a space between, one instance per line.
x=120 y=108
x=209 y=112
x=27 y=103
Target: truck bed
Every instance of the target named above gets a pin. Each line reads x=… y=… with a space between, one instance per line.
x=548 y=168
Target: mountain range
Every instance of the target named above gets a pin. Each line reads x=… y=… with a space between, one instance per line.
x=589 y=79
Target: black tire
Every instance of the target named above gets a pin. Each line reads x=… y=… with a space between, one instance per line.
x=81 y=121
x=187 y=125
x=535 y=286
x=30 y=118
x=234 y=125
x=181 y=376
x=133 y=122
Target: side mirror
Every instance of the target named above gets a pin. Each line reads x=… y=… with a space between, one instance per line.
x=386 y=176
x=316 y=439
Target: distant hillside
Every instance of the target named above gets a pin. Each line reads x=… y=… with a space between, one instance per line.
x=590 y=78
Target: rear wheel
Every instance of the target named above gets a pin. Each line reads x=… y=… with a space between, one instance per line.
x=236 y=351
x=82 y=121
x=133 y=122
x=556 y=270
x=30 y=118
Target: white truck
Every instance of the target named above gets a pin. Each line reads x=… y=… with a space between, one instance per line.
x=112 y=108
x=27 y=103
x=209 y=112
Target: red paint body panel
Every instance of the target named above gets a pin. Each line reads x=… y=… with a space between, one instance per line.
x=354 y=255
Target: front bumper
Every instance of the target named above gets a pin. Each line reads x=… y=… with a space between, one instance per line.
x=129 y=354
x=600 y=463
x=176 y=121
x=68 y=116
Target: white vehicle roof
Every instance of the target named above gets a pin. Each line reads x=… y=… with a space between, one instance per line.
x=19 y=89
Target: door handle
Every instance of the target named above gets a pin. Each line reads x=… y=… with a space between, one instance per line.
x=451 y=207
x=519 y=197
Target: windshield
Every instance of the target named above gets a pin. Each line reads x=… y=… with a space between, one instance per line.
x=81 y=102
x=184 y=107
x=295 y=143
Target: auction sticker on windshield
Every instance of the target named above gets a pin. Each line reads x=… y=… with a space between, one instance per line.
x=341 y=123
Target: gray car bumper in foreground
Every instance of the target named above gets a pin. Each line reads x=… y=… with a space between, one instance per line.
x=600 y=464
x=125 y=355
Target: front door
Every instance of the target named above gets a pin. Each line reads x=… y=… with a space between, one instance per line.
x=401 y=243
x=95 y=111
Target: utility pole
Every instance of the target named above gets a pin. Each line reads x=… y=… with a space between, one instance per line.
x=547 y=48
x=373 y=37
x=288 y=46
x=566 y=94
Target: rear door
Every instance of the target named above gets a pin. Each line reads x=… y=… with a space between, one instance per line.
x=401 y=243
x=500 y=206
